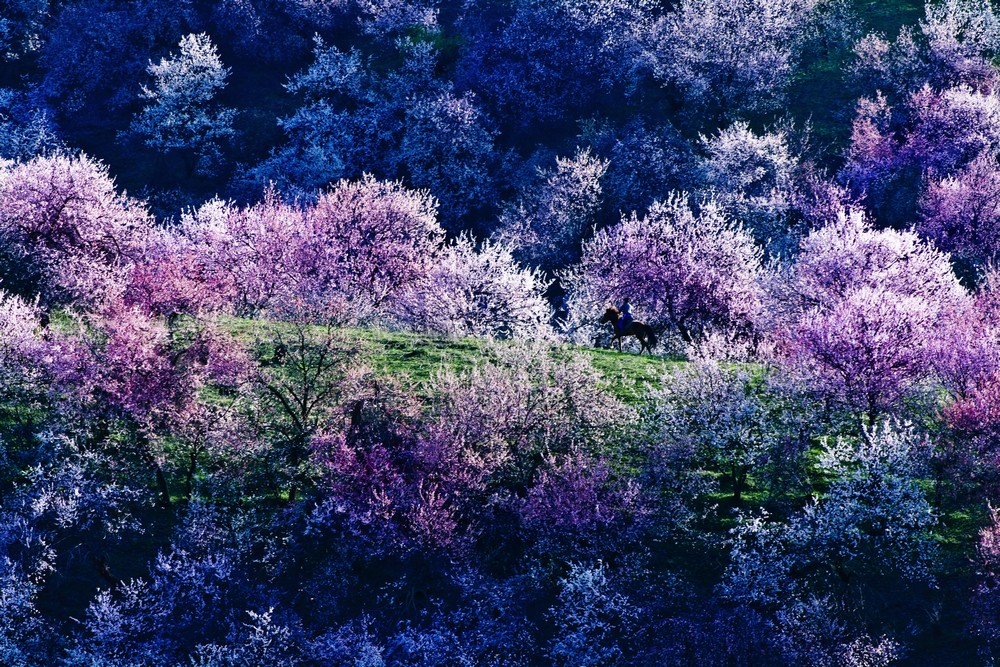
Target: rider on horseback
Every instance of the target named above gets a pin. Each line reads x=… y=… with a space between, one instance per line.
x=625 y=320
x=623 y=325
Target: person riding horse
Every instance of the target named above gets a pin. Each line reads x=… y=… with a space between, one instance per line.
x=624 y=322
x=623 y=325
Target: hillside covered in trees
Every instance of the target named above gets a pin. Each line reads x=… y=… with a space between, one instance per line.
x=301 y=360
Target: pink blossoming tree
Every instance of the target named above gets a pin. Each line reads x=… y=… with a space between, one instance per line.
x=686 y=270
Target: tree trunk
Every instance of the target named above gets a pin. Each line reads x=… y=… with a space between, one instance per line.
x=142 y=445
x=739 y=482
x=161 y=483
x=189 y=477
x=684 y=332
x=102 y=569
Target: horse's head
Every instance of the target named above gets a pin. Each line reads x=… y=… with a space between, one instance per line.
x=610 y=315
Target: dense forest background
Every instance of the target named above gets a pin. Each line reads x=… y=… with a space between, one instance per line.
x=469 y=101
x=302 y=359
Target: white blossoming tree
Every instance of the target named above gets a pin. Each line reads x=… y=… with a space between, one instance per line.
x=182 y=115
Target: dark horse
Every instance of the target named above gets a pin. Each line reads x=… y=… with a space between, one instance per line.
x=643 y=333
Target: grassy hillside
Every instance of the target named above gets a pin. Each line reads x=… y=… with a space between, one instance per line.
x=413 y=359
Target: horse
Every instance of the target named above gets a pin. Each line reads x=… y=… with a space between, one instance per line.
x=643 y=333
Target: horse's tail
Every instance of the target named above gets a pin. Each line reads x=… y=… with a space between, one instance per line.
x=653 y=340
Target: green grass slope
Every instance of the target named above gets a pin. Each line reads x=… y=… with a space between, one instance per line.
x=413 y=359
